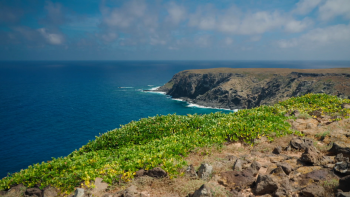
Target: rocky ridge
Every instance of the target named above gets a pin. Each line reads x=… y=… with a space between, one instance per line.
x=247 y=88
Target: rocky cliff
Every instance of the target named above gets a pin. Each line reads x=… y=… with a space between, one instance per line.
x=247 y=88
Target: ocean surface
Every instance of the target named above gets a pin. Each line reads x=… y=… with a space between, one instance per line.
x=49 y=109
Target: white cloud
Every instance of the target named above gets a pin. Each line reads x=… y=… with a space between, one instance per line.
x=333 y=8
x=333 y=35
x=260 y=22
x=176 y=13
x=109 y=37
x=228 y=41
x=294 y=26
x=55 y=39
x=306 y=6
x=233 y=22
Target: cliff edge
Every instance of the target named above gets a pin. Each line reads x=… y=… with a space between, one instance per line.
x=241 y=88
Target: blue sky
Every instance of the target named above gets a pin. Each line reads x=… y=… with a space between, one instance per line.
x=175 y=30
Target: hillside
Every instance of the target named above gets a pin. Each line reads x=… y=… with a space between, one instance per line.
x=156 y=150
x=241 y=88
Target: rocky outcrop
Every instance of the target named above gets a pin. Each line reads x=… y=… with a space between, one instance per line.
x=247 y=88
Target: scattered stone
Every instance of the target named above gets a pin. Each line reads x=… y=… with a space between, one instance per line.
x=277 y=150
x=50 y=192
x=313 y=191
x=79 y=192
x=238 y=165
x=265 y=185
x=35 y=192
x=255 y=166
x=311 y=155
x=342 y=167
x=204 y=171
x=140 y=173
x=300 y=144
x=285 y=167
x=340 y=147
x=157 y=172
x=190 y=171
x=237 y=179
x=203 y=191
x=344 y=184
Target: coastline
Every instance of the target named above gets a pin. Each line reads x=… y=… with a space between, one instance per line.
x=188 y=102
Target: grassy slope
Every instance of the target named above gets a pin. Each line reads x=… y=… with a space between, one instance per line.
x=165 y=141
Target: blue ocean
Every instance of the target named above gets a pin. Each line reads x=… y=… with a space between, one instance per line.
x=49 y=109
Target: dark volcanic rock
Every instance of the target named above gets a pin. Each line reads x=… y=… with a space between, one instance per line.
x=237 y=179
x=313 y=191
x=344 y=184
x=277 y=150
x=203 y=191
x=340 y=147
x=156 y=172
x=265 y=185
x=33 y=192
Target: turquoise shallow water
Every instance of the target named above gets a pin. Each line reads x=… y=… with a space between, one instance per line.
x=49 y=109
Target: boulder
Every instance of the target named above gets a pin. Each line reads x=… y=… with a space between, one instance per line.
x=237 y=179
x=140 y=172
x=255 y=167
x=204 y=171
x=238 y=165
x=34 y=192
x=79 y=192
x=340 y=147
x=313 y=191
x=344 y=184
x=265 y=185
x=203 y=191
x=157 y=172
x=300 y=144
x=50 y=192
x=191 y=172
x=313 y=156
x=285 y=167
x=277 y=150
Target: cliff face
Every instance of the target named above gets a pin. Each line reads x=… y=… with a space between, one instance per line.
x=248 y=88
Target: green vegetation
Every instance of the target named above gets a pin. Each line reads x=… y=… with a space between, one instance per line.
x=164 y=141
